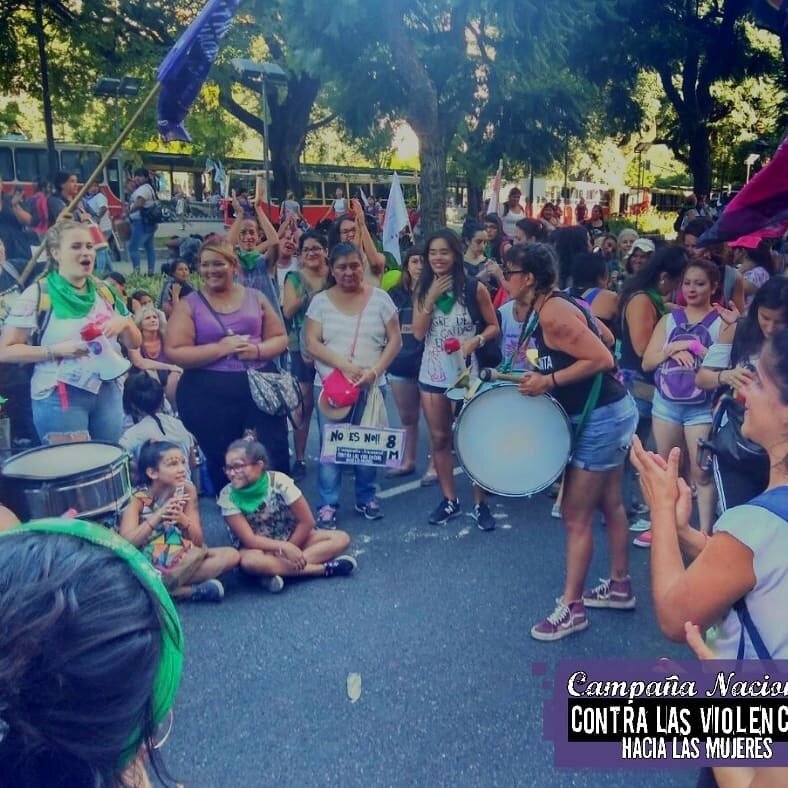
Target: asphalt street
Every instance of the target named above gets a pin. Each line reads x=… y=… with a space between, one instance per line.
x=435 y=621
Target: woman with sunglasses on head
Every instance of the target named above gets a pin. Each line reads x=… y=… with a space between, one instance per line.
x=448 y=305
x=216 y=334
x=301 y=286
x=577 y=369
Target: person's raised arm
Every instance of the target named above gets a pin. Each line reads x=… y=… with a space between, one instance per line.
x=376 y=259
x=234 y=233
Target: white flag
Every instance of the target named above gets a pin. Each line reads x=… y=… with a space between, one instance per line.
x=396 y=219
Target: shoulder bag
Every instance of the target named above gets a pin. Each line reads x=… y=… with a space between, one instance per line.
x=276 y=393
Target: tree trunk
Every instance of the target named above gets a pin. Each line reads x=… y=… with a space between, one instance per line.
x=432 y=183
x=475 y=194
x=47 y=99
x=700 y=159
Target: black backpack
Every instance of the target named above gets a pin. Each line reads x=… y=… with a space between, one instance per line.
x=490 y=355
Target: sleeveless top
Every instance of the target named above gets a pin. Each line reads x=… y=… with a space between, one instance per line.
x=630 y=360
x=436 y=367
x=247 y=320
x=573 y=396
x=166 y=545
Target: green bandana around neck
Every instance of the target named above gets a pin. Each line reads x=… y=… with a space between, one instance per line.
x=68 y=303
x=248 y=499
x=249 y=260
x=659 y=302
x=445 y=303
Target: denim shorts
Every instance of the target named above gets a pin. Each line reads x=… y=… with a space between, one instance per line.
x=607 y=436
x=678 y=413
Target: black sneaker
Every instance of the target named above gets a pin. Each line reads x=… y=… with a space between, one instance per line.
x=445 y=511
x=341 y=566
x=483 y=516
x=208 y=591
x=299 y=470
x=370 y=510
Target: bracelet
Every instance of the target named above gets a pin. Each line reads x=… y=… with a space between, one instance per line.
x=719 y=378
x=257 y=347
x=555 y=382
x=482 y=340
x=50 y=353
x=375 y=372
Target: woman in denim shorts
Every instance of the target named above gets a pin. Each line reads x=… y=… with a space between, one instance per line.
x=571 y=355
x=679 y=423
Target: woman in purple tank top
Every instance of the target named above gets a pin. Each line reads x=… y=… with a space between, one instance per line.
x=216 y=334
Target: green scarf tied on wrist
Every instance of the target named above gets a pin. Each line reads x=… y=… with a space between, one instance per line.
x=248 y=499
x=445 y=303
x=249 y=260
x=68 y=303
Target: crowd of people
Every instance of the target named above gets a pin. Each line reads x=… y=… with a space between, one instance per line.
x=640 y=341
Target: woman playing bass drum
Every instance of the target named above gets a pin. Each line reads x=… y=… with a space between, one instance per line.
x=576 y=368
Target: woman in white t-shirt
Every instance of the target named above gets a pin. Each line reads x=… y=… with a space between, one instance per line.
x=354 y=328
x=441 y=313
x=142 y=231
x=739 y=573
x=67 y=392
x=512 y=212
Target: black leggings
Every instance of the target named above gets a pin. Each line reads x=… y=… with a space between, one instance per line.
x=217 y=407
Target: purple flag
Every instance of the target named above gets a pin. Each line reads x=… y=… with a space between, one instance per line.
x=187 y=64
x=763 y=202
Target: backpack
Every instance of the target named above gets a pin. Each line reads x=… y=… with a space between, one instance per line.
x=490 y=354
x=674 y=382
x=44 y=305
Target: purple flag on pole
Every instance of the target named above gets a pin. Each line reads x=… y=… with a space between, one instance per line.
x=762 y=203
x=187 y=64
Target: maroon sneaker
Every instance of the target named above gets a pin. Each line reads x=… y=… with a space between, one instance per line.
x=616 y=594
x=562 y=622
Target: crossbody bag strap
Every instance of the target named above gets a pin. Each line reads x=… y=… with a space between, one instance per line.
x=749 y=627
x=529 y=326
x=358 y=326
x=227 y=331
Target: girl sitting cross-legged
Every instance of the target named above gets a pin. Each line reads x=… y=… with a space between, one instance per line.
x=271 y=523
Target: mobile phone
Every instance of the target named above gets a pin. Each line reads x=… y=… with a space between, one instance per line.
x=180 y=491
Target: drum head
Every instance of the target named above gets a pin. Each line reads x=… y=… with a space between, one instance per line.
x=510 y=444
x=60 y=462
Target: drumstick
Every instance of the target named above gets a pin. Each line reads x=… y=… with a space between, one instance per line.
x=488 y=374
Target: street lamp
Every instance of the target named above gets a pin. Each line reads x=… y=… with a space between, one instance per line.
x=124 y=88
x=640 y=149
x=749 y=161
x=263 y=73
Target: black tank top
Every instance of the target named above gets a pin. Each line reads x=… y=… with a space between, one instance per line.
x=629 y=358
x=573 y=396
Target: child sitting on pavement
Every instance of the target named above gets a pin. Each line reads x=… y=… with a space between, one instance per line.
x=272 y=524
x=163 y=521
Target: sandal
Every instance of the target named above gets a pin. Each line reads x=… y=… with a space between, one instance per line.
x=395 y=473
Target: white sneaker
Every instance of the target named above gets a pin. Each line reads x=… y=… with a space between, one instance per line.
x=273 y=584
x=640 y=525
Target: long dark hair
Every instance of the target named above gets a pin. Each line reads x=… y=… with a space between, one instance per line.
x=670 y=259
x=495 y=245
x=143 y=396
x=80 y=639
x=568 y=242
x=749 y=338
x=406 y=283
x=458 y=271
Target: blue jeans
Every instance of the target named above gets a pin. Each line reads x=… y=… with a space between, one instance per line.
x=99 y=414
x=142 y=236
x=329 y=475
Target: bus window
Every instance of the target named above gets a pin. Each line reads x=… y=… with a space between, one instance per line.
x=81 y=162
x=113 y=177
x=31 y=164
x=6 y=164
x=312 y=195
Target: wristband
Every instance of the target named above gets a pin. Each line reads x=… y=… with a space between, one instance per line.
x=482 y=340
x=257 y=348
x=555 y=382
x=696 y=348
x=719 y=378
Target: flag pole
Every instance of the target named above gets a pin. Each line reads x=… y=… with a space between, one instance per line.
x=111 y=151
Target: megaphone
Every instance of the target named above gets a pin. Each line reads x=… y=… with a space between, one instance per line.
x=107 y=361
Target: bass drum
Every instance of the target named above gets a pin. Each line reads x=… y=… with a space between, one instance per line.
x=92 y=478
x=510 y=444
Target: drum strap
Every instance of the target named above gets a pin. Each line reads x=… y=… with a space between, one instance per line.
x=529 y=326
x=591 y=401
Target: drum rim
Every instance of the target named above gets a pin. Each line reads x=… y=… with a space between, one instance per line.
x=121 y=454
x=530 y=493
